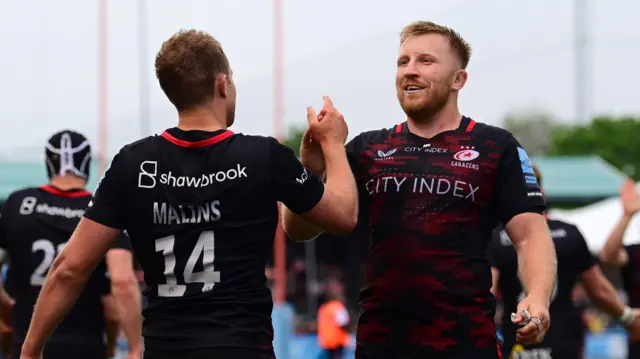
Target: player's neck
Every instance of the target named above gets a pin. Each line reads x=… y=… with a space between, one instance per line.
x=447 y=119
x=66 y=183
x=201 y=120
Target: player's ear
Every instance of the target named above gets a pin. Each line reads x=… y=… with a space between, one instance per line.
x=222 y=85
x=459 y=80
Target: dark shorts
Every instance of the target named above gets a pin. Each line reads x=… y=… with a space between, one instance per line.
x=62 y=351
x=217 y=353
x=402 y=352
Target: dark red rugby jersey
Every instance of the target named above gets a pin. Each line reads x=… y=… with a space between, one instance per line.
x=430 y=206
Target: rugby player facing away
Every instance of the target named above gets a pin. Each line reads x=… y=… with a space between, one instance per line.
x=200 y=205
x=575 y=264
x=432 y=189
x=35 y=226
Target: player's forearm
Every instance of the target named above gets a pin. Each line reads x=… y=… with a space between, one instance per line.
x=605 y=295
x=339 y=202
x=341 y=185
x=57 y=296
x=538 y=265
x=298 y=228
x=128 y=298
x=613 y=246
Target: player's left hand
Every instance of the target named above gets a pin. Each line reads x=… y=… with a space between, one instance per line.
x=311 y=154
x=533 y=316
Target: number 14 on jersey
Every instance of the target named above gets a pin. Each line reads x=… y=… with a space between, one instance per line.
x=208 y=277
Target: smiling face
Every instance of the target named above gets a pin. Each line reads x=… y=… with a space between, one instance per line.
x=430 y=69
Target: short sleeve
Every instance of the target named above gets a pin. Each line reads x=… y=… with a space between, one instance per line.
x=108 y=205
x=123 y=242
x=583 y=257
x=517 y=189
x=295 y=186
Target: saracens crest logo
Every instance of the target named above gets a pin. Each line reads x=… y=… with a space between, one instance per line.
x=466 y=155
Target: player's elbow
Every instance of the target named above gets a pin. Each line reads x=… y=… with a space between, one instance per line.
x=344 y=218
x=124 y=287
x=66 y=270
x=345 y=225
x=339 y=223
x=612 y=258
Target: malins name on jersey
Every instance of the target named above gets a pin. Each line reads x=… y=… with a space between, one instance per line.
x=164 y=213
x=440 y=186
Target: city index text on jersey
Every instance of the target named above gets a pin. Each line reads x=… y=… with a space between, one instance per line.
x=419 y=184
x=164 y=213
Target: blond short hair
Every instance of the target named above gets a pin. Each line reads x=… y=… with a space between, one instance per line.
x=459 y=45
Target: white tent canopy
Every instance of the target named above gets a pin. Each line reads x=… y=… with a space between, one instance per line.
x=597 y=220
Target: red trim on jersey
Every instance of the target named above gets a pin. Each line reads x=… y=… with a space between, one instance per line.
x=68 y=194
x=499 y=351
x=195 y=144
x=471 y=125
x=399 y=128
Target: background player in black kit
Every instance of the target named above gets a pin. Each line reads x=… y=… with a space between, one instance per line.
x=565 y=339
x=432 y=189
x=34 y=227
x=200 y=206
x=626 y=257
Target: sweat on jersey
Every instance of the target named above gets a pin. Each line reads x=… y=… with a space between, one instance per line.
x=201 y=211
x=574 y=258
x=429 y=206
x=35 y=225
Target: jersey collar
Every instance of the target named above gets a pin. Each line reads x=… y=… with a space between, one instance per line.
x=466 y=124
x=195 y=139
x=70 y=193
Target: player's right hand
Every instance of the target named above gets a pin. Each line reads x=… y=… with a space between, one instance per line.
x=328 y=128
x=534 y=319
x=634 y=327
x=630 y=198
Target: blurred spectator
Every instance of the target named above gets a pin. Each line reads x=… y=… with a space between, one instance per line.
x=333 y=323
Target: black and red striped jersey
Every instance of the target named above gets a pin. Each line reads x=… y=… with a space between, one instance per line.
x=201 y=211
x=429 y=206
